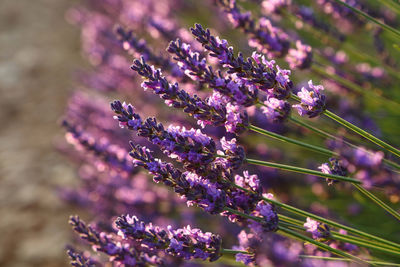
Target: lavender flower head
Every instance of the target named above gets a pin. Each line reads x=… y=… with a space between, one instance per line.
x=276 y=110
x=185 y=242
x=312 y=101
x=301 y=57
x=335 y=167
x=270 y=7
x=319 y=231
x=268 y=212
x=118 y=252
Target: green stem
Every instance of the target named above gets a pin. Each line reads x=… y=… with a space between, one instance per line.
x=319 y=244
x=330 y=136
x=299 y=236
x=332 y=223
x=384 y=263
x=302 y=170
x=232 y=251
x=346 y=238
x=282 y=138
x=368 y=17
x=362 y=133
x=321 y=219
x=355 y=182
x=378 y=201
x=391 y=5
x=254 y=218
x=360 y=242
x=355 y=87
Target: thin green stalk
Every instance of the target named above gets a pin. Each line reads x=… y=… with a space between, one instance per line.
x=331 y=223
x=346 y=46
x=321 y=219
x=282 y=138
x=391 y=5
x=362 y=133
x=289 y=225
x=368 y=17
x=355 y=87
x=232 y=251
x=355 y=182
x=330 y=136
x=319 y=244
x=300 y=236
x=302 y=170
x=378 y=201
x=355 y=241
x=254 y=218
x=346 y=238
x=384 y=263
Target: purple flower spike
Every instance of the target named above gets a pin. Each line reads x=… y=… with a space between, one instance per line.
x=301 y=57
x=235 y=153
x=236 y=89
x=256 y=71
x=197 y=190
x=319 y=231
x=335 y=167
x=268 y=212
x=131 y=44
x=214 y=113
x=78 y=259
x=273 y=6
x=118 y=252
x=276 y=110
x=312 y=102
x=191 y=147
x=246 y=259
x=185 y=243
x=263 y=35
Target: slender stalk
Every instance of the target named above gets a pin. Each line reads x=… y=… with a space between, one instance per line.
x=355 y=182
x=378 y=201
x=384 y=263
x=282 y=138
x=302 y=170
x=355 y=87
x=232 y=251
x=330 y=136
x=346 y=46
x=390 y=4
x=299 y=236
x=362 y=133
x=332 y=223
x=321 y=219
x=346 y=238
x=308 y=146
x=368 y=17
x=360 y=242
x=319 y=244
x=254 y=218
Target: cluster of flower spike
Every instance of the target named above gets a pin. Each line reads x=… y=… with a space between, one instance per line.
x=199 y=171
x=208 y=180
x=186 y=243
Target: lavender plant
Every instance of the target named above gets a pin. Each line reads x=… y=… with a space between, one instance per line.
x=207 y=170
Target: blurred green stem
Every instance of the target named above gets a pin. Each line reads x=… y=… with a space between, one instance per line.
x=362 y=133
x=303 y=213
x=384 y=263
x=368 y=17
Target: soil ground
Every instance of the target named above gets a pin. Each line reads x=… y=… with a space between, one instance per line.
x=38 y=53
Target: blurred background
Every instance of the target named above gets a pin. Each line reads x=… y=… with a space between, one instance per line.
x=38 y=52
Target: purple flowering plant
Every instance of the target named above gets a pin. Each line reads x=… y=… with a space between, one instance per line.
x=223 y=152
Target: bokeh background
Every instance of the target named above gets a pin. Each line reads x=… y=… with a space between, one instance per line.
x=39 y=51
